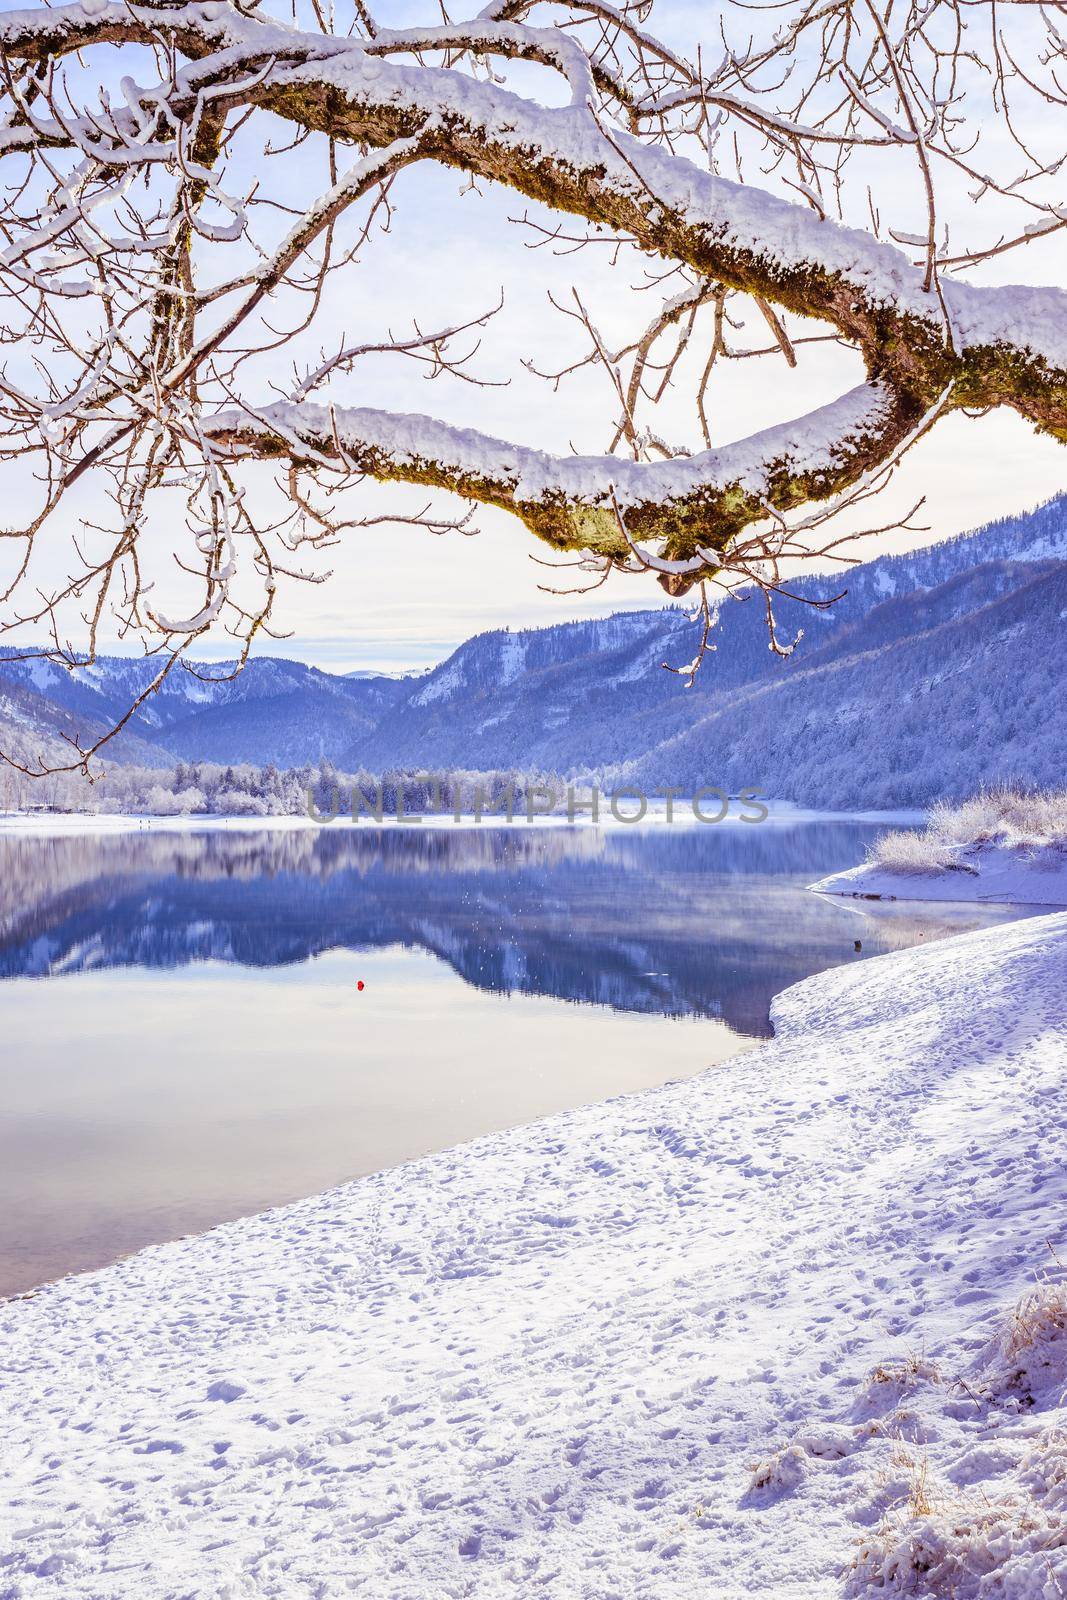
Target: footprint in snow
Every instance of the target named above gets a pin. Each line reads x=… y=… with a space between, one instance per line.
x=226 y=1390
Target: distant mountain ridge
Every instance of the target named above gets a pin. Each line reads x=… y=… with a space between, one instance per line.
x=929 y=640
x=275 y=710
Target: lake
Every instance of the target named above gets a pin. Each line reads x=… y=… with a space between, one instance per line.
x=185 y=1040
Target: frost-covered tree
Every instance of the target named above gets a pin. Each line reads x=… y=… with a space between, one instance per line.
x=156 y=271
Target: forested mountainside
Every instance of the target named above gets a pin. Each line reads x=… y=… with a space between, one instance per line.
x=929 y=676
x=36 y=729
x=970 y=695
x=589 y=695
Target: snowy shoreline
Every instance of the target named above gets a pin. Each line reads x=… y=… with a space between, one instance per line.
x=990 y=874
x=626 y=1350
x=780 y=811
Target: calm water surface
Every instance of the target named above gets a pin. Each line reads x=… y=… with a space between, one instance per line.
x=183 y=1039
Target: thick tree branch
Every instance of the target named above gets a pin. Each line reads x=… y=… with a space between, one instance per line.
x=144 y=305
x=695 y=505
x=1010 y=344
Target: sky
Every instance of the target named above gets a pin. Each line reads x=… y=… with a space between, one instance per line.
x=405 y=598
x=400 y=597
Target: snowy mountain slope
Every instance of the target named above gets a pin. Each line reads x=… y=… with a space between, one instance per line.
x=935 y=701
x=275 y=710
x=35 y=729
x=748 y=1334
x=595 y=693
x=113 y=680
x=289 y=729
x=585 y=695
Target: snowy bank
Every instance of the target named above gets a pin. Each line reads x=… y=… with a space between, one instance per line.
x=1003 y=845
x=1002 y=874
x=747 y=1334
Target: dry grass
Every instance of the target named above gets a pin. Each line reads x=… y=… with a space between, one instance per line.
x=911 y=854
x=973 y=1541
x=1029 y=1352
x=905 y=1374
x=923 y=1494
x=1039 y=1318
x=1002 y=817
x=939 y=1541
x=955 y=1547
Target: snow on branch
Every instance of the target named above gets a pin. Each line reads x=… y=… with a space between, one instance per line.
x=689 y=501
x=153 y=266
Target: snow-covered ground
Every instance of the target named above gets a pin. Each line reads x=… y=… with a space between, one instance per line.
x=718 y=1339
x=1001 y=874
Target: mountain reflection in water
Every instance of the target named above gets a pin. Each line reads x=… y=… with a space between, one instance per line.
x=703 y=922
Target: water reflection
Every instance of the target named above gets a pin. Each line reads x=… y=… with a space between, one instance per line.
x=676 y=922
x=184 y=1040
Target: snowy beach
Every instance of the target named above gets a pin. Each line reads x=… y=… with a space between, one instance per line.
x=627 y=1350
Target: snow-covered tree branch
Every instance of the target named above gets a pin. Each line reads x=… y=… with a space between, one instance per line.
x=147 y=292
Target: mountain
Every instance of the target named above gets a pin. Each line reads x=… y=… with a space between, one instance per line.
x=934 y=672
x=275 y=710
x=593 y=694
x=38 y=729
x=933 y=695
